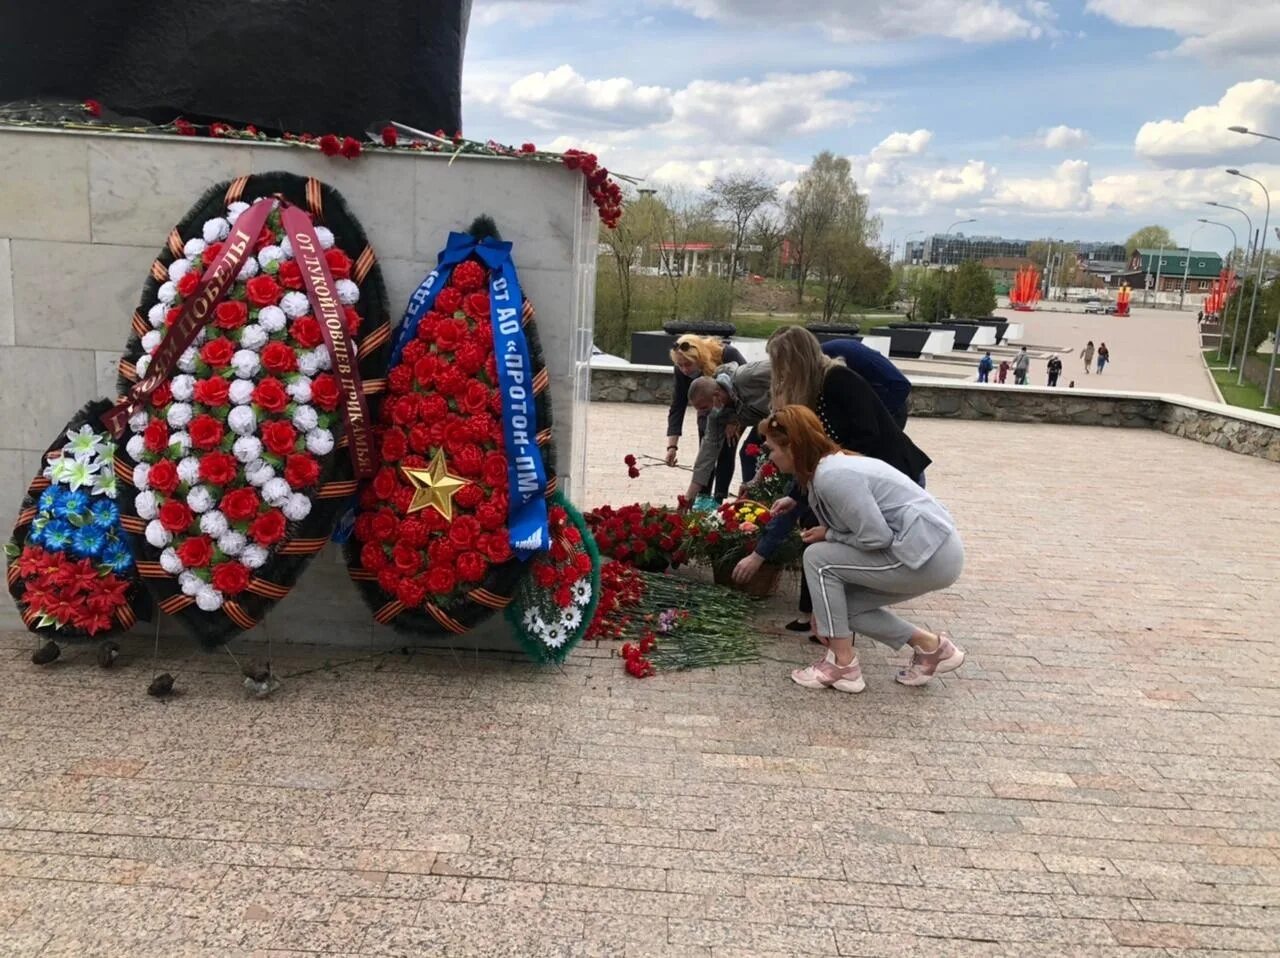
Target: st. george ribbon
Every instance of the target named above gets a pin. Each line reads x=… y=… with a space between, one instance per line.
x=526 y=474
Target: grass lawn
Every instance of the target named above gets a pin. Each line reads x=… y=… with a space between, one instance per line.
x=1248 y=396
x=760 y=325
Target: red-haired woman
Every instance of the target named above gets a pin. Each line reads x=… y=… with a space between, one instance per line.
x=880 y=540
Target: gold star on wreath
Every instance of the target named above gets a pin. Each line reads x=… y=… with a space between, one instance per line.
x=434 y=486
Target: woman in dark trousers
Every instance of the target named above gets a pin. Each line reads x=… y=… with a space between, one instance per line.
x=695 y=356
x=851 y=414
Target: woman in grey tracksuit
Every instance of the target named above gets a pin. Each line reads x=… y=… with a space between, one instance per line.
x=881 y=540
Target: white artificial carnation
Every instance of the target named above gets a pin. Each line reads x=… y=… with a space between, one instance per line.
x=142 y=477
x=253 y=556
x=232 y=543
x=248 y=269
x=246 y=363
x=348 y=292
x=189 y=582
x=242 y=420
x=156 y=315
x=234 y=210
x=183 y=387
x=325 y=236
x=138 y=421
x=294 y=304
x=300 y=389
x=187 y=361
x=259 y=472
x=193 y=247
x=213 y=523
x=179 y=268
x=150 y=340
x=157 y=535
x=272 y=318
x=135 y=447
x=268 y=255
x=201 y=337
x=253 y=337
x=320 y=442
x=297 y=508
x=182 y=441
x=199 y=499
x=276 y=492
x=208 y=599
x=168 y=293
x=144 y=504
x=247 y=448
x=170 y=562
x=308 y=364
x=240 y=392
x=179 y=414
x=287 y=247
x=305 y=418
x=215 y=230
x=142 y=365
x=323 y=359
x=189 y=470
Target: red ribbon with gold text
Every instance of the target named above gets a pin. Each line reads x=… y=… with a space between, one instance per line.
x=196 y=313
x=320 y=288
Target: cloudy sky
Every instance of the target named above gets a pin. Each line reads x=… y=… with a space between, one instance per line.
x=1068 y=118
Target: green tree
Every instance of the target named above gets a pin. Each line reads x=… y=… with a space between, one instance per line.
x=767 y=232
x=1264 y=316
x=824 y=194
x=628 y=245
x=738 y=199
x=933 y=302
x=972 y=291
x=1150 y=237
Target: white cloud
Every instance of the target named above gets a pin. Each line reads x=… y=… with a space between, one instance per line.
x=526 y=12
x=1244 y=34
x=971 y=21
x=550 y=98
x=1201 y=137
x=903 y=144
x=1066 y=189
x=1063 y=137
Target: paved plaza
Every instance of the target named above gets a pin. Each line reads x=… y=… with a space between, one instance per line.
x=1101 y=779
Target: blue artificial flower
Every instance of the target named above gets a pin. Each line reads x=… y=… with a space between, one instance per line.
x=104 y=513
x=118 y=556
x=51 y=498
x=88 y=541
x=57 y=534
x=76 y=504
x=36 y=536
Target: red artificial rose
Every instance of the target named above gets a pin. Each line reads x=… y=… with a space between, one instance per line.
x=414 y=532
x=394 y=446
x=450 y=334
x=496 y=548
x=211 y=251
x=495 y=469
x=389 y=581
x=271 y=395
x=175 y=516
x=354 y=320
x=441 y=580
x=406 y=558
x=411 y=592
x=163 y=476
x=419 y=437
x=464 y=531
x=389 y=137
x=469 y=496
x=212 y=391
x=372 y=557
x=205 y=431
x=434 y=408
x=162 y=396
x=187 y=285
x=301 y=471
x=330 y=145
x=384 y=525
x=230 y=314
x=217 y=352
x=404 y=411
x=475 y=399
x=268 y=528
x=324 y=392
x=218 y=468
x=491 y=517
x=278 y=358
x=468 y=461
x=469 y=358
x=339 y=263
x=477 y=307
x=471 y=566
x=230 y=578
x=351 y=147
x=468 y=276
x=385 y=482
x=400 y=379
x=449 y=301
x=196 y=552
x=265 y=238
x=306 y=332
x=279 y=437
x=290 y=274
x=171 y=316
x=262 y=290
x=240 y=504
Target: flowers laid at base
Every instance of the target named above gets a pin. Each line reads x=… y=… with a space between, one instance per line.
x=648 y=537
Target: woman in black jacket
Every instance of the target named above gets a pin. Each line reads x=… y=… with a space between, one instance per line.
x=695 y=356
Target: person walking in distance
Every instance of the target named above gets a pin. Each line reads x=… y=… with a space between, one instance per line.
x=1003 y=374
x=1104 y=356
x=1087 y=355
x=984 y=368
x=1054 y=367
x=1021 y=366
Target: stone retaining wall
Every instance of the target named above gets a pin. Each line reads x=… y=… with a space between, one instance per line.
x=1238 y=430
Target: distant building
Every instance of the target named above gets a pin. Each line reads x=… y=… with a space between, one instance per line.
x=956 y=248
x=1162 y=270
x=1003 y=269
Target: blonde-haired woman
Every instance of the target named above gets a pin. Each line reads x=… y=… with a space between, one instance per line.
x=694 y=356
x=880 y=540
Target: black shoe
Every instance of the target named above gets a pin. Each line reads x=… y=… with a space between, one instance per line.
x=798 y=625
x=815 y=640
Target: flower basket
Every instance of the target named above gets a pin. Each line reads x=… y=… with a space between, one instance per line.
x=764 y=583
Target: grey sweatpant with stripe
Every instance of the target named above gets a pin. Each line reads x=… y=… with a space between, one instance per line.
x=851 y=588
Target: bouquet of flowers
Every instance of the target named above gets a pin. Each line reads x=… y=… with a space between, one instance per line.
x=732 y=531
x=769 y=485
x=648 y=537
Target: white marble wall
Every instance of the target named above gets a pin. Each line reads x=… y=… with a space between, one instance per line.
x=82 y=215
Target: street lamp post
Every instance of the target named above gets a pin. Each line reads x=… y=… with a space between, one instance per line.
x=1245 y=129
x=1222 y=319
x=1248 y=260
x=1275 y=337
x=1262 y=259
x=937 y=313
x=1186 y=267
